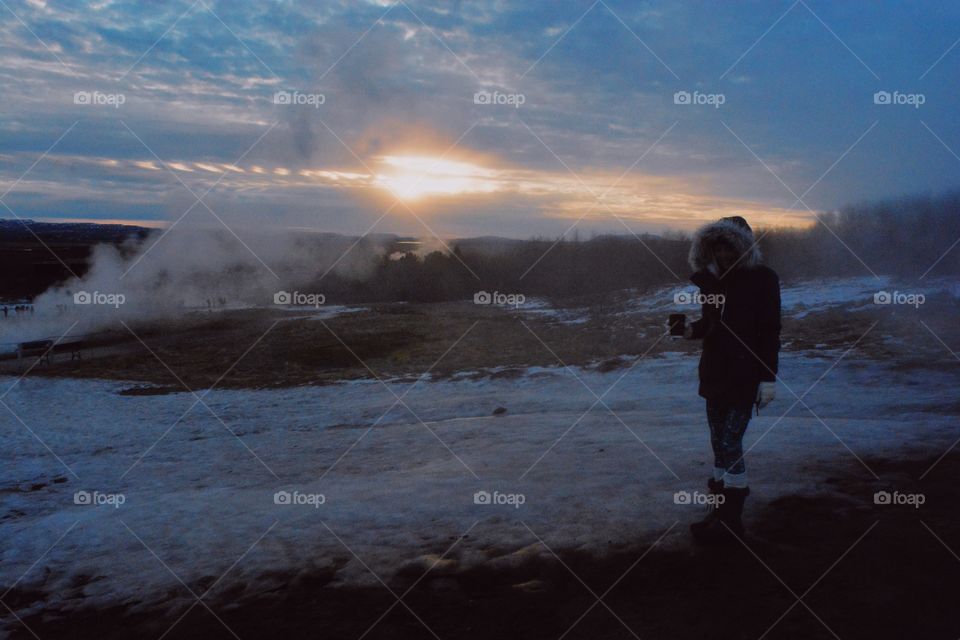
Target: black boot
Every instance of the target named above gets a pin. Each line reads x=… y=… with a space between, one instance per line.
x=727 y=526
x=715 y=488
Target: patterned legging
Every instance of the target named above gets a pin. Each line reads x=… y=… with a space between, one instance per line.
x=727 y=426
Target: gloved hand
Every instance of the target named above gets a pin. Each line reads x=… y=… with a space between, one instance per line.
x=766 y=393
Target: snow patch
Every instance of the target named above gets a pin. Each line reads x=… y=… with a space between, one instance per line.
x=397 y=480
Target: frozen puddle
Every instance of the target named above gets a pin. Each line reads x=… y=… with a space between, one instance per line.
x=393 y=490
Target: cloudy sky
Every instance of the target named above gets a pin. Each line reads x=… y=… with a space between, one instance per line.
x=472 y=118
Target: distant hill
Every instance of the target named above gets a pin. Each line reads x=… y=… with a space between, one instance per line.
x=75 y=232
x=35 y=255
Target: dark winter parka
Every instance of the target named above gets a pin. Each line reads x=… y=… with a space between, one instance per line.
x=741 y=335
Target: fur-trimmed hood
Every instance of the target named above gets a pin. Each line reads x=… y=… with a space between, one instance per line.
x=739 y=236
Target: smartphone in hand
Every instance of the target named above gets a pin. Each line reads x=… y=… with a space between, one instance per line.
x=677 y=323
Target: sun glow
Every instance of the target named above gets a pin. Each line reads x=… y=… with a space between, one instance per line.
x=471 y=182
x=413 y=177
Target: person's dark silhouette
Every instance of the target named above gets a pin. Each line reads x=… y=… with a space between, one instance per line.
x=740 y=329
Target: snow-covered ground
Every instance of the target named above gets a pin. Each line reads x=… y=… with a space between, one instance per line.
x=198 y=484
x=541 y=307
x=798 y=298
x=323 y=312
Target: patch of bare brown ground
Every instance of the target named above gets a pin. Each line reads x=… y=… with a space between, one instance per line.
x=268 y=349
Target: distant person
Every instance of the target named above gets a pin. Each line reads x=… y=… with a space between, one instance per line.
x=740 y=329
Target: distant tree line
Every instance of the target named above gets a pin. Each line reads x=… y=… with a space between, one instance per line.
x=906 y=237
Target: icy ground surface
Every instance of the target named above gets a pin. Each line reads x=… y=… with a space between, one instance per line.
x=199 y=500
x=798 y=298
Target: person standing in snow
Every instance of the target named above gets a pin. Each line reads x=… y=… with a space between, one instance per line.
x=740 y=329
